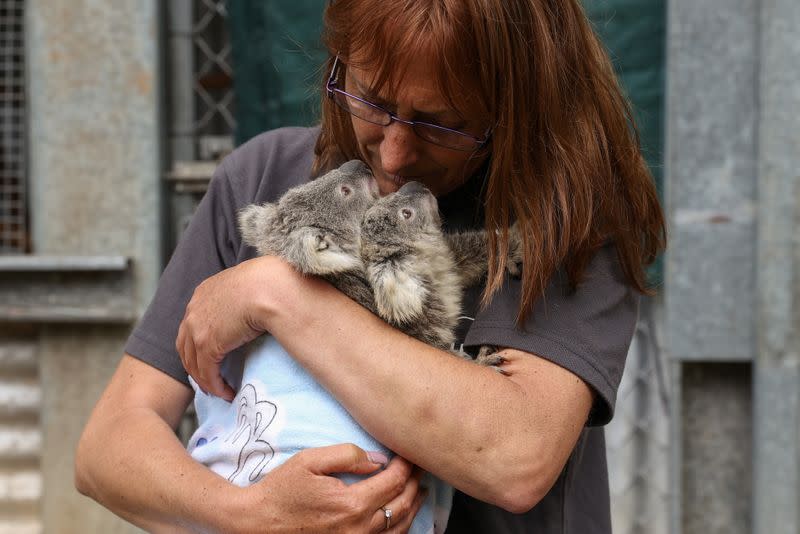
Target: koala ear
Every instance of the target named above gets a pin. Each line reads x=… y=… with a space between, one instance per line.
x=257 y=224
x=312 y=251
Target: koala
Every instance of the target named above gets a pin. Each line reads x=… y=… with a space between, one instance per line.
x=417 y=272
x=388 y=254
x=316 y=227
x=410 y=266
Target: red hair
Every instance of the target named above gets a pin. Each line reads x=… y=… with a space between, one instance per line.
x=565 y=161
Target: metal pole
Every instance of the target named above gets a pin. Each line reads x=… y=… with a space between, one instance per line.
x=776 y=377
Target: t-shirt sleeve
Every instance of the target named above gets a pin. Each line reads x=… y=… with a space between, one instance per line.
x=209 y=244
x=258 y=171
x=586 y=331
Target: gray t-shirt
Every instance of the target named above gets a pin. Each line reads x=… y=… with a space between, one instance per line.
x=586 y=331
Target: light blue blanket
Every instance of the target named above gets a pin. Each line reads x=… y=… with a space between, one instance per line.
x=279 y=411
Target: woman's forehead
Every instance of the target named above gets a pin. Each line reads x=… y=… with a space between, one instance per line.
x=420 y=72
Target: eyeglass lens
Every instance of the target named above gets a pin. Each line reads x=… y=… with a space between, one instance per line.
x=429 y=132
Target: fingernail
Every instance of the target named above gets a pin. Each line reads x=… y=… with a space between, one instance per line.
x=377 y=457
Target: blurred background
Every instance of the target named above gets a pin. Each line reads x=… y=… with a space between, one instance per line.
x=113 y=115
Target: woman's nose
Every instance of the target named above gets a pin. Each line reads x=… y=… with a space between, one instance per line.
x=399 y=148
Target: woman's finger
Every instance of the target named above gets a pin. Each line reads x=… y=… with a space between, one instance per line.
x=189 y=359
x=403 y=524
x=385 y=486
x=179 y=342
x=209 y=377
x=400 y=506
x=342 y=458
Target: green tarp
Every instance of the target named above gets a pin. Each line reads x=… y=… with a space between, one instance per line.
x=634 y=31
x=276 y=57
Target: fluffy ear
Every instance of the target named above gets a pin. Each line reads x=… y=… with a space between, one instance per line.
x=313 y=251
x=257 y=224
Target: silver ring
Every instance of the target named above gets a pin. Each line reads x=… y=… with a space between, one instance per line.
x=387 y=513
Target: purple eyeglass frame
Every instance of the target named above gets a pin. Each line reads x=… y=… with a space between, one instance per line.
x=331 y=88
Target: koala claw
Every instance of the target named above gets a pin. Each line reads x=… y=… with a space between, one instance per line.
x=489 y=357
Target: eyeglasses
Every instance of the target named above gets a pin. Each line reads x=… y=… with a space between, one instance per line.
x=375 y=114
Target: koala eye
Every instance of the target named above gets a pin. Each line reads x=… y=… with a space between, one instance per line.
x=406 y=213
x=345 y=190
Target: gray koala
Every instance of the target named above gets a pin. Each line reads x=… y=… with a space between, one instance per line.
x=389 y=254
x=316 y=228
x=418 y=273
x=411 y=267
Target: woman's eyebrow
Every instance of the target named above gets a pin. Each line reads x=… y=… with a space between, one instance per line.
x=434 y=116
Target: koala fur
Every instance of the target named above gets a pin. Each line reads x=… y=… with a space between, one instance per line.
x=388 y=254
x=316 y=228
x=417 y=272
x=411 y=267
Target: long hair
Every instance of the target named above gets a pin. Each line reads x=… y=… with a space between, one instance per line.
x=565 y=161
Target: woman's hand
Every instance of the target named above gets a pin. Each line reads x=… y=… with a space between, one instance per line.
x=301 y=494
x=222 y=315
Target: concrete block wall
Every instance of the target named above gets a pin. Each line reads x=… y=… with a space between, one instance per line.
x=93 y=90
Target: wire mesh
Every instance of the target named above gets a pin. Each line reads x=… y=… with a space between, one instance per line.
x=13 y=212
x=213 y=73
x=638 y=441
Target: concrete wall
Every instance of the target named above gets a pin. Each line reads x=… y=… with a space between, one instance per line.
x=95 y=162
x=732 y=289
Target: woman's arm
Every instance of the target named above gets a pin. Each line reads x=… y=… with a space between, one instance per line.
x=501 y=439
x=130 y=461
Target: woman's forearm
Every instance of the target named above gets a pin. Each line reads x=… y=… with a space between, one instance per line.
x=477 y=429
x=501 y=439
x=131 y=462
x=140 y=471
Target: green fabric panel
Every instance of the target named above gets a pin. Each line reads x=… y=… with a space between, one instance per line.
x=634 y=32
x=276 y=54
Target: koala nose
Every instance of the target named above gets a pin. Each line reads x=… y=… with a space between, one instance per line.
x=413 y=188
x=355 y=166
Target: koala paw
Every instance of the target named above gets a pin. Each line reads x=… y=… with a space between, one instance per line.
x=514 y=268
x=515 y=252
x=488 y=356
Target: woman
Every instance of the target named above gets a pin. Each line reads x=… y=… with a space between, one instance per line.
x=508 y=110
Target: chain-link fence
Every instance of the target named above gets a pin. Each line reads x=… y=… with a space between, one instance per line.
x=638 y=439
x=200 y=77
x=213 y=76
x=13 y=212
